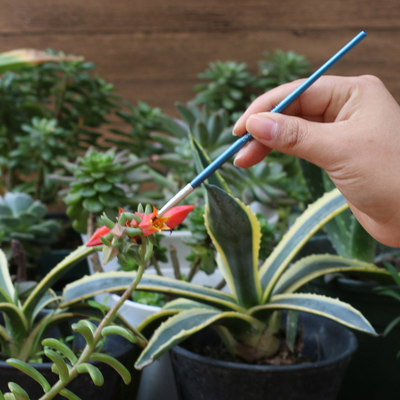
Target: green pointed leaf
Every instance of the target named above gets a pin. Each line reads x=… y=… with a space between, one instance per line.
x=60 y=347
x=186 y=113
x=62 y=368
x=311 y=267
x=30 y=371
x=200 y=133
x=323 y=306
x=19 y=323
x=113 y=363
x=185 y=304
x=18 y=391
x=86 y=329
x=94 y=372
x=181 y=326
x=118 y=281
x=6 y=284
x=235 y=232
x=53 y=276
x=391 y=325
x=120 y=331
x=202 y=160
x=316 y=215
x=69 y=395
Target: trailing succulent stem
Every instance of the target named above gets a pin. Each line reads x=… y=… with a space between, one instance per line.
x=92 y=340
x=130 y=236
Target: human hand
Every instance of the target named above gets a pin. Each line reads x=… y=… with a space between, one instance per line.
x=349 y=126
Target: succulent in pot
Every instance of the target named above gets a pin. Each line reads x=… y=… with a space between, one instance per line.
x=29 y=311
x=132 y=236
x=248 y=318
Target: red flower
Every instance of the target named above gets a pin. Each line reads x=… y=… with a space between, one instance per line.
x=149 y=224
x=95 y=240
x=152 y=223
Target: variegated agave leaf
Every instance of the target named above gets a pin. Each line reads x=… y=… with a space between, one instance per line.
x=55 y=274
x=116 y=281
x=323 y=306
x=314 y=266
x=316 y=215
x=235 y=233
x=7 y=290
x=183 y=325
x=201 y=160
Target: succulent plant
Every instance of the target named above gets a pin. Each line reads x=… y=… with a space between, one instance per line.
x=281 y=67
x=40 y=152
x=42 y=101
x=100 y=182
x=24 y=219
x=142 y=120
x=228 y=86
x=211 y=129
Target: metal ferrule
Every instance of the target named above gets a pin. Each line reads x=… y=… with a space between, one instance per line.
x=176 y=199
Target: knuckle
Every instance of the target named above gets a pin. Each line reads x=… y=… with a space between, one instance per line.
x=294 y=134
x=370 y=80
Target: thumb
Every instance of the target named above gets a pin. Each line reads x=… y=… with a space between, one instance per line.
x=309 y=140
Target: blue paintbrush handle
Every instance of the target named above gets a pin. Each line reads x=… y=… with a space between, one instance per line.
x=239 y=143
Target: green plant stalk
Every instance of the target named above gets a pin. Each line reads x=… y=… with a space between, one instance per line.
x=40 y=179
x=61 y=97
x=94 y=257
x=88 y=350
x=156 y=266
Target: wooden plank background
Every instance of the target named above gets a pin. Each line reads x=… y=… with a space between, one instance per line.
x=152 y=50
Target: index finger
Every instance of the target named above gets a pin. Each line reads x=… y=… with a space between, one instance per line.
x=316 y=103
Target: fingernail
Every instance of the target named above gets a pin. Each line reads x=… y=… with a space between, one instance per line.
x=262 y=127
x=235 y=127
x=238 y=156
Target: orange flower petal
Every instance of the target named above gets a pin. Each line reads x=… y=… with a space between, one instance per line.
x=176 y=215
x=95 y=240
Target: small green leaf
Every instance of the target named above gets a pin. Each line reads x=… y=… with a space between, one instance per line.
x=61 y=347
x=94 y=372
x=115 y=364
x=291 y=328
x=86 y=329
x=62 y=368
x=102 y=187
x=69 y=395
x=119 y=330
x=18 y=392
x=92 y=205
x=87 y=192
x=30 y=371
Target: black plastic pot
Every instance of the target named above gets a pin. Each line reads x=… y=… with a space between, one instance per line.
x=328 y=344
x=374 y=370
x=113 y=388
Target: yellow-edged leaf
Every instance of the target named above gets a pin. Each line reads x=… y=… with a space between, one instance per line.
x=316 y=215
x=323 y=306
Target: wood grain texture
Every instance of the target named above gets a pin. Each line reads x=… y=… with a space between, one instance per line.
x=153 y=50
